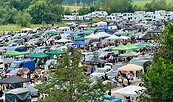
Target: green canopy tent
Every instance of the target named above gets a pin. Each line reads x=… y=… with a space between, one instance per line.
x=38 y=55
x=53 y=52
x=79 y=39
x=91 y=29
x=129 y=54
x=132 y=47
x=121 y=48
x=143 y=45
x=13 y=53
x=51 y=32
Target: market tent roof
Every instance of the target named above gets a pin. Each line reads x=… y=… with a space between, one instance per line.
x=111 y=31
x=68 y=32
x=129 y=54
x=53 y=52
x=102 y=34
x=159 y=24
x=114 y=99
x=32 y=90
x=51 y=32
x=130 y=67
x=26 y=29
x=129 y=45
x=79 y=38
x=143 y=45
x=120 y=48
x=8 y=60
x=14 y=80
x=104 y=28
x=113 y=37
x=91 y=29
x=170 y=21
x=145 y=37
x=13 y=53
x=129 y=91
x=17 y=95
x=63 y=40
x=125 y=37
x=155 y=31
x=79 y=43
x=38 y=55
x=26 y=37
x=91 y=36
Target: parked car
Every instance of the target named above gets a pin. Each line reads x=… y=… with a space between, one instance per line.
x=18 y=72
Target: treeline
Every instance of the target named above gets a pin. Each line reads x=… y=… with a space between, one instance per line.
x=122 y=6
x=81 y=2
x=25 y=12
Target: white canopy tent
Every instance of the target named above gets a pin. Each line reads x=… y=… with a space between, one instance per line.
x=100 y=24
x=113 y=37
x=102 y=34
x=129 y=91
x=91 y=36
x=63 y=40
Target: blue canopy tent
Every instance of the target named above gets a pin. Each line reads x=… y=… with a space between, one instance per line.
x=111 y=31
x=170 y=21
x=115 y=99
x=159 y=24
x=79 y=43
x=104 y=28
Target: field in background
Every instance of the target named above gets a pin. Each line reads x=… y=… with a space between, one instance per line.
x=73 y=8
x=140 y=3
x=14 y=27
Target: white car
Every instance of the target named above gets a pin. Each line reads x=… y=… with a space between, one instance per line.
x=100 y=71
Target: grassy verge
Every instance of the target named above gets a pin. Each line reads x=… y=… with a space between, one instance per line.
x=14 y=27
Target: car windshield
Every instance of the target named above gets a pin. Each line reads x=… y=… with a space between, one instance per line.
x=100 y=71
x=13 y=71
x=15 y=65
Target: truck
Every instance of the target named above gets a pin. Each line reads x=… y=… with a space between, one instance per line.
x=26 y=63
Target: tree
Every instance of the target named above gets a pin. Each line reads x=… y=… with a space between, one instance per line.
x=72 y=84
x=67 y=11
x=84 y=10
x=42 y=11
x=159 y=77
x=23 y=19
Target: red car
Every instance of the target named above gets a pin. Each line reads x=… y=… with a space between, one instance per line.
x=18 y=72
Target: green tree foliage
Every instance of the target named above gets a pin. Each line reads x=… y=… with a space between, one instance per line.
x=118 y=6
x=157 y=5
x=42 y=11
x=84 y=10
x=72 y=84
x=23 y=19
x=67 y=11
x=158 y=79
x=7 y=15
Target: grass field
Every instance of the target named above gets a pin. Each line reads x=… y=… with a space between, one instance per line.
x=140 y=3
x=73 y=8
x=14 y=27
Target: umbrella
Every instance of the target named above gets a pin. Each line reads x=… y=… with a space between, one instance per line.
x=121 y=48
x=14 y=80
x=8 y=61
x=79 y=43
x=53 y=52
x=26 y=37
x=38 y=55
x=79 y=38
x=13 y=53
x=130 y=46
x=145 y=37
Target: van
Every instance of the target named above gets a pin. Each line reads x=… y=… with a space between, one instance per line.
x=30 y=64
x=63 y=29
